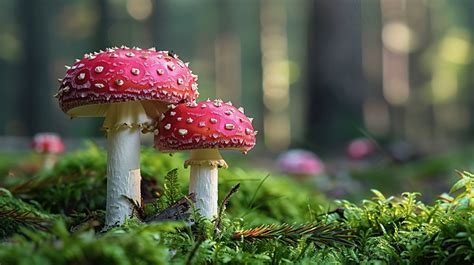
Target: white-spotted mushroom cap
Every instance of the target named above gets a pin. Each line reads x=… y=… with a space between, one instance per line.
x=205 y=125
x=47 y=143
x=125 y=74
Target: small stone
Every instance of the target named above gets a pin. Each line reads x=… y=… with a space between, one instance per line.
x=229 y=126
x=213 y=121
x=202 y=124
x=167 y=126
x=189 y=120
x=160 y=71
x=81 y=76
x=248 y=131
x=180 y=81
x=99 y=85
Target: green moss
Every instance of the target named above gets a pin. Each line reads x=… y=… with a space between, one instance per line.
x=58 y=215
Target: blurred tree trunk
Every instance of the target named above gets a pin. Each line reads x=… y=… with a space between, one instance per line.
x=335 y=81
x=158 y=22
x=227 y=55
x=101 y=37
x=470 y=84
x=34 y=22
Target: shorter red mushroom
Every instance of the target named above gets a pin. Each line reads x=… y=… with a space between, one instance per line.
x=49 y=145
x=205 y=128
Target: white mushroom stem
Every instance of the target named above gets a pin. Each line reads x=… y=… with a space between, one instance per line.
x=49 y=160
x=123 y=159
x=203 y=179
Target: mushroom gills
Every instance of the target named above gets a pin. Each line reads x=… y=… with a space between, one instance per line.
x=211 y=157
x=129 y=114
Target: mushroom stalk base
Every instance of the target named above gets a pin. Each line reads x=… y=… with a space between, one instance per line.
x=203 y=179
x=49 y=160
x=123 y=169
x=203 y=183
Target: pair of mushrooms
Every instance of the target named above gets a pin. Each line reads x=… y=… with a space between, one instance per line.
x=135 y=90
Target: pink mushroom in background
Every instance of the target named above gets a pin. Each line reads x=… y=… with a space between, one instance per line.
x=300 y=163
x=360 y=148
x=49 y=145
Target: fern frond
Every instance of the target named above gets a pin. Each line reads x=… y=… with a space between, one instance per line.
x=172 y=190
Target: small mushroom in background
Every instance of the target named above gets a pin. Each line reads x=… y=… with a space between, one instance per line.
x=360 y=148
x=300 y=164
x=130 y=88
x=204 y=128
x=49 y=145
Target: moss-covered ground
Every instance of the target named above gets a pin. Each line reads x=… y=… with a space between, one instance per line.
x=56 y=217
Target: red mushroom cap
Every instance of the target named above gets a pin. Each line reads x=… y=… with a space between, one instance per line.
x=300 y=162
x=48 y=143
x=360 y=148
x=205 y=125
x=124 y=74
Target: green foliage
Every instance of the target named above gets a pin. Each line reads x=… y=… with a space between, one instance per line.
x=172 y=190
x=321 y=234
x=78 y=182
x=16 y=215
x=264 y=198
x=381 y=230
x=405 y=230
x=138 y=245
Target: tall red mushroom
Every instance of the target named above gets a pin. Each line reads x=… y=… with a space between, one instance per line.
x=129 y=87
x=205 y=128
x=49 y=145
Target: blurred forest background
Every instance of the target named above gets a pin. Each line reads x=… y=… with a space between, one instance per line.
x=314 y=74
